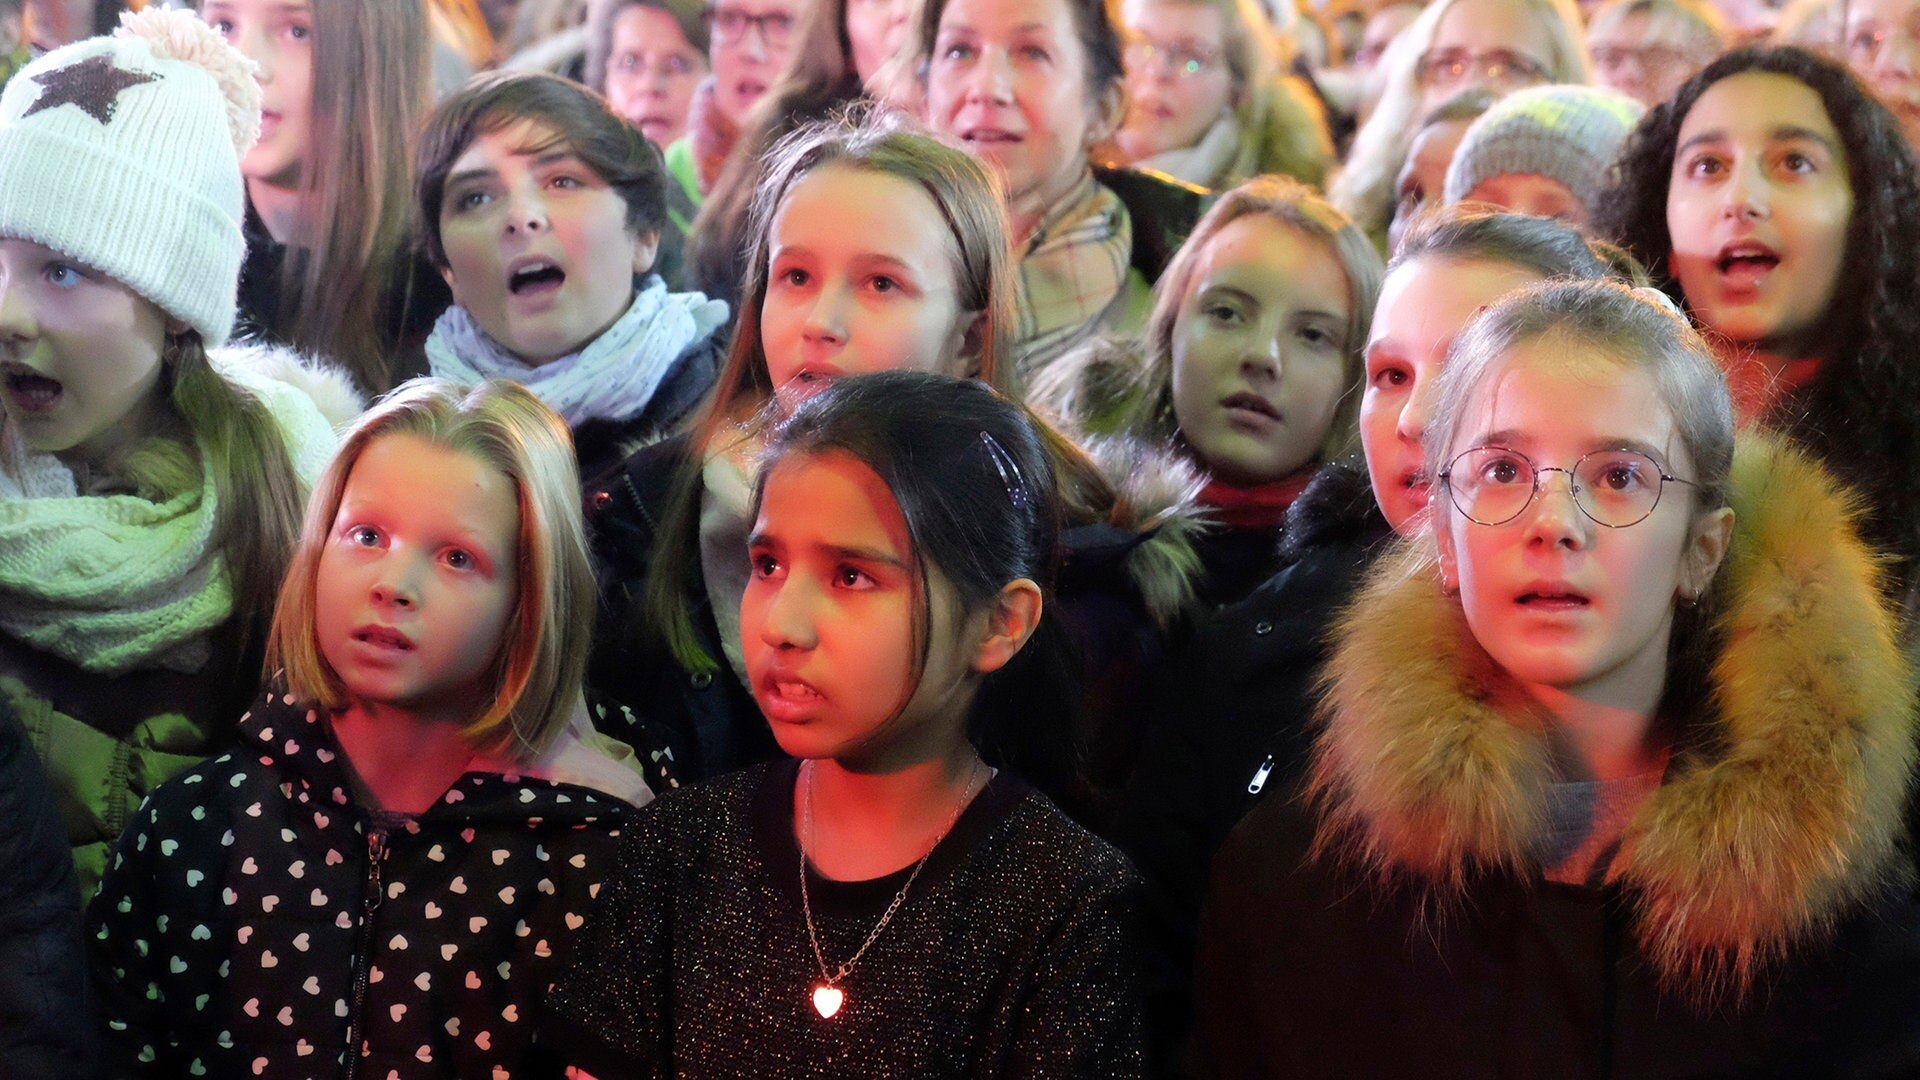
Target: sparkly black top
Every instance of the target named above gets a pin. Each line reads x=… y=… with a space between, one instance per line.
x=1015 y=953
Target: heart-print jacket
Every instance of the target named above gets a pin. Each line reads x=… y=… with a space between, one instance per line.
x=254 y=920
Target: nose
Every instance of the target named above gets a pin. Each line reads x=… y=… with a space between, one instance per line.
x=753 y=41
x=257 y=45
x=1553 y=518
x=394 y=587
x=1261 y=363
x=1416 y=412
x=826 y=322
x=1897 y=54
x=992 y=78
x=526 y=211
x=17 y=323
x=1747 y=193
x=786 y=618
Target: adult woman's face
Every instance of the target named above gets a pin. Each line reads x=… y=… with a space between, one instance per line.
x=1178 y=82
x=1009 y=79
x=652 y=72
x=1498 y=44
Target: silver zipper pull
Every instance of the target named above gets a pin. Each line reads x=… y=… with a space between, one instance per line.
x=1260 y=776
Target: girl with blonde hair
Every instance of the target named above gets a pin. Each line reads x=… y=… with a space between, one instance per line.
x=414 y=806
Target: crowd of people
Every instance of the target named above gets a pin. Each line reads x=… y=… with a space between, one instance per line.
x=874 y=538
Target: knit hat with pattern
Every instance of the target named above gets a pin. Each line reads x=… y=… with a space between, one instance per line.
x=1567 y=133
x=123 y=153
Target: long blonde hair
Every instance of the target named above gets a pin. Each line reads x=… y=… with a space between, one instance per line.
x=348 y=257
x=541 y=662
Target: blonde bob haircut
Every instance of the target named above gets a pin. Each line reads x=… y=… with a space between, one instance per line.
x=541 y=664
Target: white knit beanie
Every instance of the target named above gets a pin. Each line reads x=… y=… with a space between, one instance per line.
x=123 y=153
x=1565 y=133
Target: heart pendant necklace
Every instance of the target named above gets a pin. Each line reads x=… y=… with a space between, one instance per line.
x=828 y=996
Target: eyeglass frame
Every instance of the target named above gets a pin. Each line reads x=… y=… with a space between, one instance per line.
x=1194 y=62
x=1510 y=60
x=1573 y=488
x=711 y=15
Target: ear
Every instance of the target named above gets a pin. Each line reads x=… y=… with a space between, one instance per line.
x=1706 y=547
x=176 y=327
x=446 y=275
x=1010 y=622
x=646 y=245
x=1109 y=110
x=969 y=335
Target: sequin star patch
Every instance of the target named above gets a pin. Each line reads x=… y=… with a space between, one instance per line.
x=92 y=85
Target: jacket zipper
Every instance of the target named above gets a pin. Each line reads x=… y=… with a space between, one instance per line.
x=1260 y=776
x=363 y=954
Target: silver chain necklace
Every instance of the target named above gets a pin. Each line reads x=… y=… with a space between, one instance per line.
x=827 y=994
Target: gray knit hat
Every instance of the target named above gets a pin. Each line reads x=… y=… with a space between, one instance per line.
x=124 y=152
x=1565 y=133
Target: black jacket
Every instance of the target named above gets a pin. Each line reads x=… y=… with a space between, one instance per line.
x=707 y=719
x=45 y=1027
x=603 y=446
x=256 y=920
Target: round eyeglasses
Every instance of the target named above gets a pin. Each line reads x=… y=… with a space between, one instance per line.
x=1492 y=485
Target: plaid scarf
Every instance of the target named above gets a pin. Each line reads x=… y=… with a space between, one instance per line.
x=1073 y=274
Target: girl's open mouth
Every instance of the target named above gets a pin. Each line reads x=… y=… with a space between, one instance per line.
x=31 y=392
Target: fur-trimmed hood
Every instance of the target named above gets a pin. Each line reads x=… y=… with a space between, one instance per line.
x=1155 y=547
x=1787 y=813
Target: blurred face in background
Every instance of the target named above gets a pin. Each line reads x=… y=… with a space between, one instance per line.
x=652 y=71
x=1646 y=56
x=750 y=43
x=877 y=29
x=53 y=23
x=1178 y=80
x=1498 y=44
x=1883 y=47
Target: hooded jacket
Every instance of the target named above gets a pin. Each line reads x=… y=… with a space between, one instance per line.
x=1757 y=918
x=256 y=920
x=108 y=740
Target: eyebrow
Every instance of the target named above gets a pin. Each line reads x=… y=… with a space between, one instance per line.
x=1518 y=441
x=835 y=551
x=1780 y=133
x=544 y=160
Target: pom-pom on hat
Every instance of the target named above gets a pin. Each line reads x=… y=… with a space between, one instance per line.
x=1567 y=133
x=123 y=153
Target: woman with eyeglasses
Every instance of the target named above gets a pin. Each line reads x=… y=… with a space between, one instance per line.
x=1210 y=100
x=1455 y=45
x=647 y=57
x=748 y=43
x=1646 y=48
x=1615 y=753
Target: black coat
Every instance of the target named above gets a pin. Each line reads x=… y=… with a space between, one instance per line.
x=1235 y=718
x=1304 y=970
x=45 y=1027
x=603 y=446
x=256 y=921
x=707 y=719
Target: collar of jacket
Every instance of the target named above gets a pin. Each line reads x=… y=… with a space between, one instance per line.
x=298 y=748
x=1786 y=815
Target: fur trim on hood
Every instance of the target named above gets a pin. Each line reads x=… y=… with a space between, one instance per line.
x=1784 y=817
x=329 y=388
x=1162 y=488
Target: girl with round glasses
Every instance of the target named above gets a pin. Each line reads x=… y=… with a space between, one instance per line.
x=1613 y=767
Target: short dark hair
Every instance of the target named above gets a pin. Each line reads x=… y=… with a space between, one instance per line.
x=608 y=145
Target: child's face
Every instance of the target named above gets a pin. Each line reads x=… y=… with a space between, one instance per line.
x=1423 y=305
x=80 y=354
x=750 y=42
x=277 y=35
x=1178 y=82
x=1423 y=176
x=1009 y=80
x=1260 y=350
x=652 y=72
x=827 y=621
x=1883 y=45
x=1558 y=600
x=418 y=579
x=860 y=279
x=1531 y=194
x=538 y=249
x=1758 y=208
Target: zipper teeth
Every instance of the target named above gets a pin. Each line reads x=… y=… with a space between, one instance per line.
x=363 y=956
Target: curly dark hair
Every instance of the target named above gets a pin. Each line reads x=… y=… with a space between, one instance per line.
x=1861 y=413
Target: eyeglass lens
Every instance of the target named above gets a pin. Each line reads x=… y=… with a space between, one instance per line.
x=1492 y=485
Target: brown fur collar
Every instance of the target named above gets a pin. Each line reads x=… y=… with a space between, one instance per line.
x=1786 y=816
